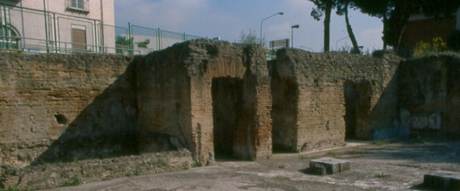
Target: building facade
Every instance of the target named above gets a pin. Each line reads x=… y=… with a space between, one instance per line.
x=422 y=28
x=59 y=26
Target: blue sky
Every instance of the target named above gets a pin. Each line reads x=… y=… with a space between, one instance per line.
x=228 y=18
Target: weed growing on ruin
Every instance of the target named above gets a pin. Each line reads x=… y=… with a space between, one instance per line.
x=426 y=48
x=109 y=177
x=9 y=189
x=162 y=163
x=137 y=172
x=185 y=167
x=381 y=143
x=197 y=164
x=333 y=154
x=76 y=180
x=282 y=166
x=303 y=157
x=382 y=175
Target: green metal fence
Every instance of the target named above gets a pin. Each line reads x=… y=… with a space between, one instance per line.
x=39 y=31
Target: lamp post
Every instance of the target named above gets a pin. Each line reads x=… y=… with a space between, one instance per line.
x=261 y=22
x=337 y=42
x=292 y=34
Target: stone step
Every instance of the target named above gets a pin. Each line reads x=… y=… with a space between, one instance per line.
x=326 y=165
x=445 y=180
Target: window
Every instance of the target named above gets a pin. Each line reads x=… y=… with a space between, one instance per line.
x=78 y=38
x=78 y=6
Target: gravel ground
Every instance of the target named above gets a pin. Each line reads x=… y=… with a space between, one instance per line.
x=380 y=166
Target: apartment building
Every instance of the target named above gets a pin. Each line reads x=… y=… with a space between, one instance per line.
x=61 y=26
x=423 y=28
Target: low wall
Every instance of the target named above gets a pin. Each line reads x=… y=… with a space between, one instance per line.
x=79 y=172
x=56 y=108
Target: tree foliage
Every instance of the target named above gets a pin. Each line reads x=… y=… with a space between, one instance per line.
x=324 y=6
x=342 y=9
x=123 y=43
x=395 y=14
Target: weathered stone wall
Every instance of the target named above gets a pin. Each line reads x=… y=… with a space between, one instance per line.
x=79 y=172
x=429 y=92
x=65 y=107
x=181 y=94
x=309 y=98
x=212 y=98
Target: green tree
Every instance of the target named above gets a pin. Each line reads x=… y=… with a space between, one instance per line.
x=396 y=13
x=377 y=8
x=123 y=43
x=325 y=6
x=342 y=9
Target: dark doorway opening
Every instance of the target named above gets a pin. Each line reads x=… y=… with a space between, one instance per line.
x=285 y=97
x=358 y=97
x=227 y=109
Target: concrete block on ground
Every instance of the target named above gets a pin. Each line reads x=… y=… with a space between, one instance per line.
x=444 y=180
x=323 y=166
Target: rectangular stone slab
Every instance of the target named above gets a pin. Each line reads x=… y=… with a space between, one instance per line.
x=323 y=166
x=444 y=180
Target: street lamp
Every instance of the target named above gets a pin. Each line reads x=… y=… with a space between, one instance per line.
x=337 y=42
x=261 y=22
x=292 y=34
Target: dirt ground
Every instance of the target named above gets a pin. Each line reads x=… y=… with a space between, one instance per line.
x=374 y=166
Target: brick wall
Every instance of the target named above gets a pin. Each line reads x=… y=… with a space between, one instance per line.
x=86 y=171
x=309 y=91
x=429 y=94
x=62 y=107
x=180 y=90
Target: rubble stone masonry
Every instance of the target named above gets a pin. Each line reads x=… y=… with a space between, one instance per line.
x=64 y=107
x=208 y=96
x=319 y=98
x=216 y=100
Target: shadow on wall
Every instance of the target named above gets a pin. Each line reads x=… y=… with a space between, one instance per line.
x=358 y=97
x=429 y=96
x=105 y=128
x=285 y=95
x=383 y=117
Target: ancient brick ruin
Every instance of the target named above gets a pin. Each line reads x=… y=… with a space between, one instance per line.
x=212 y=97
x=216 y=100
x=320 y=99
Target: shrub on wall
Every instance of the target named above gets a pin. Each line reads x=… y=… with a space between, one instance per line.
x=454 y=41
x=425 y=48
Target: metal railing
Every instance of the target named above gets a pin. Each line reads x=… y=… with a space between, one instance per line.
x=39 y=31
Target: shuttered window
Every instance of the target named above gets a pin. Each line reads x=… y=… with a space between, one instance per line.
x=78 y=39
